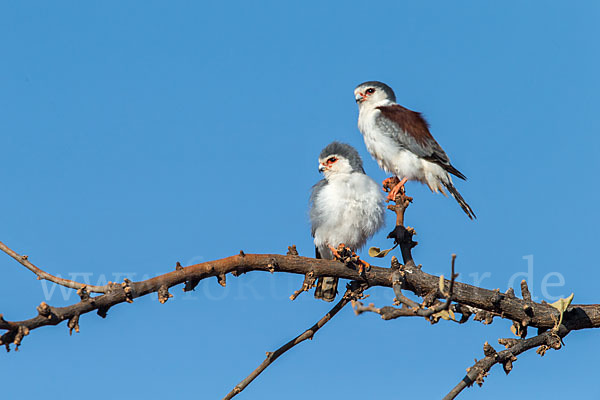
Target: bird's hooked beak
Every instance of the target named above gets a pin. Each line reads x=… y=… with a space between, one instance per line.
x=359 y=97
x=322 y=167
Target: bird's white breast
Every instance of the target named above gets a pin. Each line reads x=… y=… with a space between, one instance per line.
x=350 y=209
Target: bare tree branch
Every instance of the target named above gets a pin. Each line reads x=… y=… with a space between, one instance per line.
x=514 y=347
x=441 y=299
x=411 y=308
x=353 y=292
x=24 y=260
x=538 y=315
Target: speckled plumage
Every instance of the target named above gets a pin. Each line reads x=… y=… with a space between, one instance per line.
x=345 y=207
x=400 y=141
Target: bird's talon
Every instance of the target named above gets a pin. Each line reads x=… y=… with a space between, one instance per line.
x=363 y=266
x=399 y=188
x=389 y=183
x=334 y=252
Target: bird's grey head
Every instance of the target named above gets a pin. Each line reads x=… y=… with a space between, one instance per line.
x=373 y=92
x=339 y=158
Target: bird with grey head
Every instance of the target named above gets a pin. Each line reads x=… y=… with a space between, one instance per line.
x=400 y=141
x=345 y=207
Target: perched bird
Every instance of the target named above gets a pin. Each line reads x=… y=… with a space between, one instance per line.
x=346 y=207
x=400 y=141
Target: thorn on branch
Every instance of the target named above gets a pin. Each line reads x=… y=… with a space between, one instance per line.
x=510 y=293
x=488 y=350
x=272 y=266
x=519 y=329
x=484 y=316
x=102 y=311
x=480 y=378
x=163 y=294
x=22 y=331
x=496 y=298
x=191 y=284
x=292 y=251
x=508 y=342
x=7 y=339
x=178 y=266
x=44 y=310
x=128 y=290
x=396 y=264
x=542 y=350
x=73 y=324
x=508 y=364
x=525 y=291
x=242 y=254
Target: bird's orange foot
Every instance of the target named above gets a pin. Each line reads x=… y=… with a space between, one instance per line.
x=389 y=183
x=396 y=189
x=363 y=266
x=348 y=256
x=337 y=252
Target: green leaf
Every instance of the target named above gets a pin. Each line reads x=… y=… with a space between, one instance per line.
x=561 y=305
x=445 y=314
x=377 y=252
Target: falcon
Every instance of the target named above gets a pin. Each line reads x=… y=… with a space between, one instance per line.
x=346 y=207
x=400 y=141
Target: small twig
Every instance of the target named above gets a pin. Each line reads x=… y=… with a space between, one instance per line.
x=479 y=370
x=308 y=334
x=414 y=308
x=308 y=283
x=397 y=282
x=23 y=260
x=387 y=313
x=360 y=308
x=402 y=236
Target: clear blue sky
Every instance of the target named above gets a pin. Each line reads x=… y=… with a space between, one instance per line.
x=138 y=134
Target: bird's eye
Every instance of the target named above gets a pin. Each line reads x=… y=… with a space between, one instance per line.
x=370 y=91
x=331 y=160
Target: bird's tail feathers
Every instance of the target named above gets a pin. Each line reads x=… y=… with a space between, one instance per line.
x=463 y=204
x=326 y=288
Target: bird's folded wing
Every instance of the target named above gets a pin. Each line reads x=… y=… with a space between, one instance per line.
x=411 y=131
